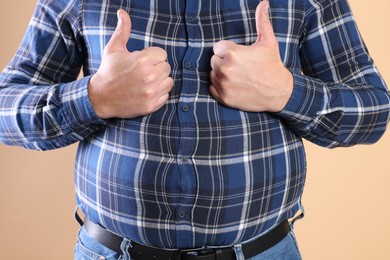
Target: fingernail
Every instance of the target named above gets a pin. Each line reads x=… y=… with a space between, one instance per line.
x=119 y=15
x=266 y=5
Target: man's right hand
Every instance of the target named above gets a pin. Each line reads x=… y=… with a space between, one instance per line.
x=129 y=84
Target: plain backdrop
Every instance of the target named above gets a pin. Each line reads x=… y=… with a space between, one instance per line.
x=347 y=193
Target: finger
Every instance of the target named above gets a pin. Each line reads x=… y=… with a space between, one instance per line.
x=161 y=101
x=222 y=48
x=216 y=62
x=214 y=78
x=154 y=55
x=166 y=85
x=215 y=93
x=265 y=32
x=163 y=68
x=164 y=89
x=162 y=71
x=121 y=35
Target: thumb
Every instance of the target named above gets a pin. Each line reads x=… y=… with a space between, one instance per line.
x=265 y=32
x=121 y=35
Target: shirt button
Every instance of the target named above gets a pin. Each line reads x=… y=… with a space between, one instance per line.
x=188 y=65
x=182 y=214
x=184 y=159
x=185 y=108
x=192 y=19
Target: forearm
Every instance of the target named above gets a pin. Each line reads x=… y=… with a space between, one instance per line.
x=339 y=97
x=42 y=105
x=337 y=114
x=46 y=117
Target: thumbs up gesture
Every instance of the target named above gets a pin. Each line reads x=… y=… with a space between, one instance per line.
x=251 y=78
x=129 y=84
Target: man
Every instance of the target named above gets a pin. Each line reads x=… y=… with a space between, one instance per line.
x=191 y=149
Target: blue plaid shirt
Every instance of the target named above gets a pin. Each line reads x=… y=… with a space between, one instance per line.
x=195 y=172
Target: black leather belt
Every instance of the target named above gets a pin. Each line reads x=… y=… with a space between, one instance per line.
x=140 y=252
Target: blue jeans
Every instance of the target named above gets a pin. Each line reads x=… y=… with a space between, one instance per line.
x=88 y=249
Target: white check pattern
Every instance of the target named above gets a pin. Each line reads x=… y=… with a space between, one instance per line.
x=195 y=173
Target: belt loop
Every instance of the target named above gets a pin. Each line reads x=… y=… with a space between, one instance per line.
x=77 y=216
x=125 y=245
x=238 y=251
x=218 y=254
x=298 y=217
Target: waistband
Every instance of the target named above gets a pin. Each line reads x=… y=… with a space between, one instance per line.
x=138 y=251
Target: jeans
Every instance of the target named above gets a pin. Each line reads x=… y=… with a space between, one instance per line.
x=88 y=249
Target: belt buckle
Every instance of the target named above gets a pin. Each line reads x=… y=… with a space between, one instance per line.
x=225 y=253
x=192 y=253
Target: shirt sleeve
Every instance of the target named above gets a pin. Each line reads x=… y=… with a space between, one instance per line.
x=42 y=104
x=339 y=97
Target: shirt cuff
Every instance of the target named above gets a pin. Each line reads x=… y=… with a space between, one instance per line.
x=306 y=101
x=78 y=108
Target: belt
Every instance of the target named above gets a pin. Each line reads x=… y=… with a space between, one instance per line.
x=141 y=252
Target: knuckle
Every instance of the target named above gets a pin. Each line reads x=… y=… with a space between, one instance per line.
x=141 y=60
x=161 y=51
x=149 y=93
x=231 y=54
x=225 y=70
x=157 y=51
x=148 y=78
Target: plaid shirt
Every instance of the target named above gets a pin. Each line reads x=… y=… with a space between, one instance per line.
x=195 y=172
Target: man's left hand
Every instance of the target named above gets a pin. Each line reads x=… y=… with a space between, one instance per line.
x=251 y=78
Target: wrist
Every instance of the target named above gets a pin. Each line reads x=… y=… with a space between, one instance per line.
x=285 y=85
x=96 y=96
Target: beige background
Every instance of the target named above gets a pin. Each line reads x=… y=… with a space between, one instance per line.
x=346 y=197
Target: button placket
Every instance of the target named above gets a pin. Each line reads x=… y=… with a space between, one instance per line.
x=187 y=122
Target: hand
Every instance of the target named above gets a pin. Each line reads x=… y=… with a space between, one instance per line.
x=129 y=84
x=251 y=78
